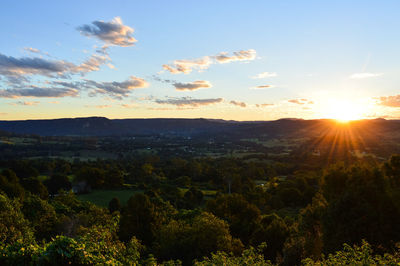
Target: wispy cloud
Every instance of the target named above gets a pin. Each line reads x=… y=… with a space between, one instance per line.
x=98 y=106
x=240 y=104
x=265 y=75
x=115 y=89
x=25 y=103
x=364 y=75
x=112 y=33
x=126 y=105
x=12 y=66
x=186 y=66
x=17 y=67
x=262 y=87
x=188 y=101
x=262 y=105
x=195 y=85
x=300 y=101
x=243 y=55
x=37 y=92
x=93 y=63
x=32 y=50
x=390 y=101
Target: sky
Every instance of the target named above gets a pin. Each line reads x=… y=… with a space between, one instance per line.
x=233 y=60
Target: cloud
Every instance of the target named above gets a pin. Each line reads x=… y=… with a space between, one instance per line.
x=98 y=106
x=296 y=101
x=25 y=103
x=115 y=89
x=241 y=104
x=160 y=109
x=16 y=67
x=265 y=75
x=93 y=63
x=32 y=50
x=187 y=66
x=364 y=75
x=264 y=105
x=195 y=85
x=37 y=92
x=301 y=101
x=128 y=105
x=180 y=86
x=262 y=87
x=390 y=101
x=112 y=33
x=188 y=101
x=244 y=55
x=12 y=66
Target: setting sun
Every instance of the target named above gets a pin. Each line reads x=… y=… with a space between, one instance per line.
x=343 y=110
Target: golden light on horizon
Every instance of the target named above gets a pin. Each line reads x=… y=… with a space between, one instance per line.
x=343 y=110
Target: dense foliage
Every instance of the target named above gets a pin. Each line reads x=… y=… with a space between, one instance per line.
x=221 y=211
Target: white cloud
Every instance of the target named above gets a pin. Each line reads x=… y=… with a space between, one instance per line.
x=364 y=75
x=187 y=66
x=265 y=75
x=112 y=33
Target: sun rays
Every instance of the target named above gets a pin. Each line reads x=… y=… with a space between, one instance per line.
x=341 y=140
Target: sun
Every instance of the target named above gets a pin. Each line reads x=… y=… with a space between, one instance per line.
x=343 y=110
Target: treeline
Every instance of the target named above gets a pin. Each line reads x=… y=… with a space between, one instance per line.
x=261 y=213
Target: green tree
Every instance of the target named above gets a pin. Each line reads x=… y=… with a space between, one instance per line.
x=35 y=186
x=138 y=219
x=241 y=215
x=13 y=226
x=41 y=216
x=114 y=205
x=58 y=182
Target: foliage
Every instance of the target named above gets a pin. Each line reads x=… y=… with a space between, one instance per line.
x=356 y=255
x=249 y=257
x=13 y=226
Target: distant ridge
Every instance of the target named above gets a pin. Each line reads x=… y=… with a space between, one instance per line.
x=101 y=126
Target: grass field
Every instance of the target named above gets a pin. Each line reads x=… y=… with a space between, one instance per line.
x=103 y=197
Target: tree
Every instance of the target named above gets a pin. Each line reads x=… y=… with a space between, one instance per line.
x=193 y=197
x=194 y=239
x=241 y=215
x=138 y=219
x=274 y=232
x=113 y=178
x=35 y=186
x=114 y=205
x=13 y=226
x=9 y=183
x=58 y=182
x=41 y=215
x=94 y=176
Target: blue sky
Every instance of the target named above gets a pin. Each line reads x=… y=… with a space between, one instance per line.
x=319 y=58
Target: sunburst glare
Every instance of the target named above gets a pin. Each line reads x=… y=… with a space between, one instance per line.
x=343 y=110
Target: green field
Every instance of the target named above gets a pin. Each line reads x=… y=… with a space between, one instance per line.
x=103 y=197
